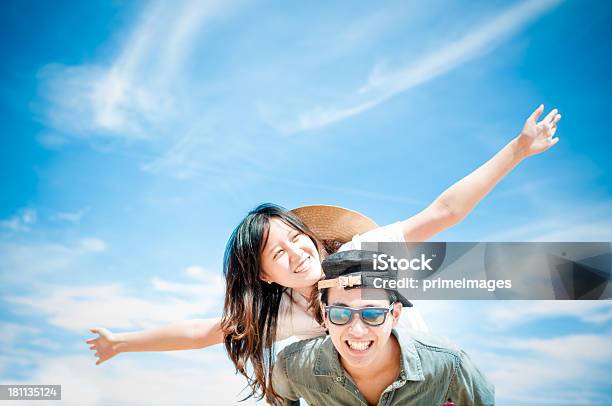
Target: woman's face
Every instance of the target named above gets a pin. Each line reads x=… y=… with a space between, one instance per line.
x=289 y=258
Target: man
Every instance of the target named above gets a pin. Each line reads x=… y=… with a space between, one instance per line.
x=364 y=360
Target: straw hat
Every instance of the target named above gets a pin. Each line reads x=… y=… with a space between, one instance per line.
x=333 y=222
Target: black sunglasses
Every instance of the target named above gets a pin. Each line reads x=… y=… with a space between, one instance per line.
x=372 y=316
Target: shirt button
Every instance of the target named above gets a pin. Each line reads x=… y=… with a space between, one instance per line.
x=339 y=379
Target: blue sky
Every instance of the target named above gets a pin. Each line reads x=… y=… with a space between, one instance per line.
x=135 y=135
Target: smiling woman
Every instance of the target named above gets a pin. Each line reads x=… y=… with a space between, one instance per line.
x=272 y=265
x=273 y=261
x=288 y=248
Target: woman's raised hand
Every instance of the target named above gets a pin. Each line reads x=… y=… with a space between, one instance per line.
x=537 y=136
x=105 y=345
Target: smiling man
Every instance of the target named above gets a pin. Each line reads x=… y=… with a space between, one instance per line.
x=364 y=360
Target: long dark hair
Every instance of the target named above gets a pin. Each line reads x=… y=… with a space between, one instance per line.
x=250 y=311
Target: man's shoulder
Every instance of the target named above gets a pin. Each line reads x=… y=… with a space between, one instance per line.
x=430 y=342
x=304 y=365
x=301 y=354
x=441 y=357
x=435 y=356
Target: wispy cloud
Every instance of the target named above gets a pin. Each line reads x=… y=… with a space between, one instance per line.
x=560 y=222
x=507 y=315
x=14 y=354
x=32 y=258
x=149 y=92
x=70 y=216
x=78 y=308
x=474 y=323
x=133 y=93
x=211 y=284
x=197 y=272
x=138 y=379
x=574 y=368
x=586 y=347
x=22 y=221
x=144 y=92
x=92 y=245
x=383 y=83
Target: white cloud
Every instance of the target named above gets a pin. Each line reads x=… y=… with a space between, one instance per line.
x=12 y=352
x=21 y=221
x=92 y=245
x=183 y=377
x=558 y=228
x=460 y=318
x=574 y=367
x=589 y=231
x=78 y=308
x=538 y=379
x=182 y=157
x=12 y=331
x=28 y=259
x=197 y=272
x=134 y=93
x=383 y=84
x=588 y=348
x=213 y=286
x=51 y=140
x=133 y=381
x=585 y=222
x=72 y=217
x=322 y=116
x=508 y=314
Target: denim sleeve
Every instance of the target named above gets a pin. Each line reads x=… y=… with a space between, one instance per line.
x=281 y=383
x=469 y=386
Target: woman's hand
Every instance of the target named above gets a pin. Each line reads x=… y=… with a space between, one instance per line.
x=459 y=200
x=537 y=136
x=182 y=335
x=106 y=344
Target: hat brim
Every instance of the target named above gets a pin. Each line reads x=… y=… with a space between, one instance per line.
x=334 y=223
x=405 y=302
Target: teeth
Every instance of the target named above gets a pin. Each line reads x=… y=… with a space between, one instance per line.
x=359 y=345
x=305 y=265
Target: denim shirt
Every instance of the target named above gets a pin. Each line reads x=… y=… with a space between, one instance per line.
x=432 y=372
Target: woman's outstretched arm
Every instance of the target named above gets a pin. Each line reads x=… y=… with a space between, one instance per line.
x=183 y=335
x=457 y=201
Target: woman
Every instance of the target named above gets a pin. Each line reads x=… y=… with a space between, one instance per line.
x=272 y=263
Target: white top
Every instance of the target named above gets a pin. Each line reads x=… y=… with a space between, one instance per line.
x=294 y=318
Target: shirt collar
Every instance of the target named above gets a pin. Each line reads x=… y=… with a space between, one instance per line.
x=410 y=368
x=328 y=362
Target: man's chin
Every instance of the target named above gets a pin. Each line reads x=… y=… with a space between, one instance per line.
x=358 y=358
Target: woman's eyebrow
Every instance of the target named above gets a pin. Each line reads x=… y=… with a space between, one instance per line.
x=270 y=249
x=273 y=248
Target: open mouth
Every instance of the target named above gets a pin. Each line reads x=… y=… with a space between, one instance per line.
x=359 y=346
x=303 y=266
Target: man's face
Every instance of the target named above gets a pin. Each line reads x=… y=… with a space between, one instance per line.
x=359 y=344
